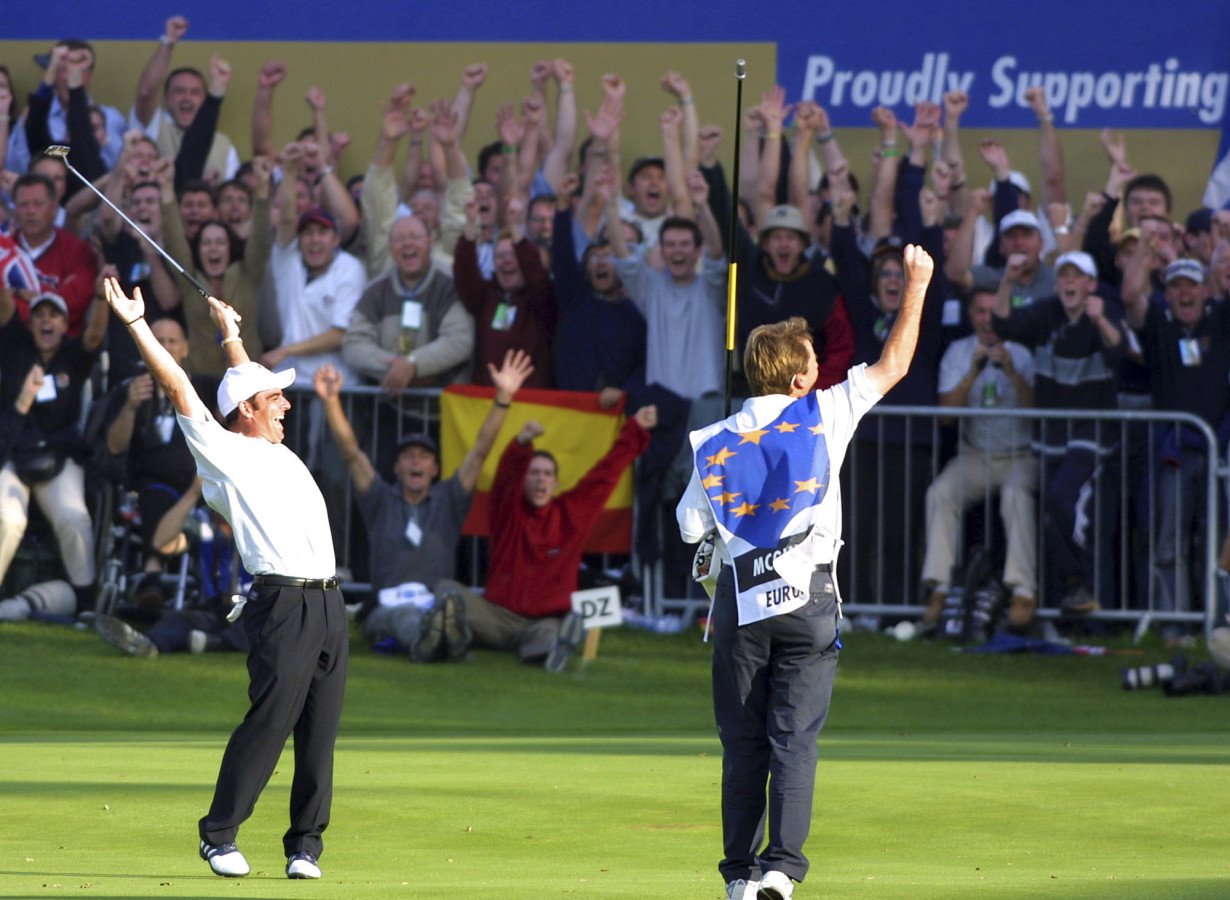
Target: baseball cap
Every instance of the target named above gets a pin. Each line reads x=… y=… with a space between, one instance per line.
x=1190 y=269
x=316 y=216
x=418 y=439
x=1083 y=261
x=890 y=244
x=1130 y=234
x=247 y=379
x=645 y=162
x=47 y=297
x=1199 y=221
x=1019 y=218
x=784 y=216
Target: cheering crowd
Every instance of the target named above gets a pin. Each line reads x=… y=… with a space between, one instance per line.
x=552 y=261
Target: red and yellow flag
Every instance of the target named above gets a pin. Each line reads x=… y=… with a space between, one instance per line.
x=576 y=432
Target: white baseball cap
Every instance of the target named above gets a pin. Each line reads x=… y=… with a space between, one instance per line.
x=247 y=379
x=1081 y=260
x=1019 y=218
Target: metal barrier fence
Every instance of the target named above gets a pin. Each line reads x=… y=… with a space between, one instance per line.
x=900 y=450
x=881 y=561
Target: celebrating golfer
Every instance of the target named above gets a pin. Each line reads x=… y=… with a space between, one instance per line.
x=765 y=479
x=294 y=616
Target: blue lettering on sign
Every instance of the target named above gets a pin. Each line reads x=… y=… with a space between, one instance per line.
x=1150 y=66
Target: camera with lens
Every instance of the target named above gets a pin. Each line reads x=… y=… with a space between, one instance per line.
x=1205 y=678
x=1157 y=675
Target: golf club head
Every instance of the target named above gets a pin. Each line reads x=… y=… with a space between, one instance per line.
x=57 y=150
x=740 y=69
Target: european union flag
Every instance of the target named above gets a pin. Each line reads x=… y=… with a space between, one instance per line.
x=761 y=481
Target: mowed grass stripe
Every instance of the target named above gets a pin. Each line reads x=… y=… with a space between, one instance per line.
x=941 y=775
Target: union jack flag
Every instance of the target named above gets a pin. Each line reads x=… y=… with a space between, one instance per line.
x=17 y=270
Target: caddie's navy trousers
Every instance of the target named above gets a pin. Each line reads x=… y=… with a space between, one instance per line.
x=772 y=681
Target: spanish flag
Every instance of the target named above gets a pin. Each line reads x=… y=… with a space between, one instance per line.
x=576 y=432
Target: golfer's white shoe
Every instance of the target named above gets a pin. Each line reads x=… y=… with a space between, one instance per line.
x=302 y=865
x=740 y=889
x=775 y=886
x=225 y=860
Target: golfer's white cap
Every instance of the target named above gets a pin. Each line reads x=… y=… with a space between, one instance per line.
x=246 y=379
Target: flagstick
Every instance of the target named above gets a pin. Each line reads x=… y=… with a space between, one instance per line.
x=732 y=267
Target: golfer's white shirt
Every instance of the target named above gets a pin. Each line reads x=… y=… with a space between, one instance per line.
x=268 y=496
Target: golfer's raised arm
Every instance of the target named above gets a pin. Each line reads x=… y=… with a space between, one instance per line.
x=227 y=320
x=170 y=377
x=898 y=350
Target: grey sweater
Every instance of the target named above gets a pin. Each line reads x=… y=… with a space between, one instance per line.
x=441 y=346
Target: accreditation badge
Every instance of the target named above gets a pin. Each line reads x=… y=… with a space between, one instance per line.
x=411 y=314
x=1189 y=351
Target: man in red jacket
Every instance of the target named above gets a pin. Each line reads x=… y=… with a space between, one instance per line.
x=66 y=264
x=536 y=544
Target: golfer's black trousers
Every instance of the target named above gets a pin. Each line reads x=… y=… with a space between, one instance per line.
x=297 y=670
x=772 y=681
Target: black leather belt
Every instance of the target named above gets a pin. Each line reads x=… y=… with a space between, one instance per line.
x=304 y=584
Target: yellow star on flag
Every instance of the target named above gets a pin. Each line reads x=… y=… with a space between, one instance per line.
x=746 y=509
x=779 y=504
x=810 y=485
x=753 y=437
x=786 y=427
x=726 y=497
x=818 y=428
x=712 y=481
x=720 y=457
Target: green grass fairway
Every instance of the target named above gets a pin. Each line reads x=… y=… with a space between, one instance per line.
x=941 y=775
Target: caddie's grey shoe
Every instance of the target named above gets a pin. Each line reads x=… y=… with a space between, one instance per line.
x=122 y=636
x=302 y=865
x=225 y=860
x=571 y=633
x=775 y=886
